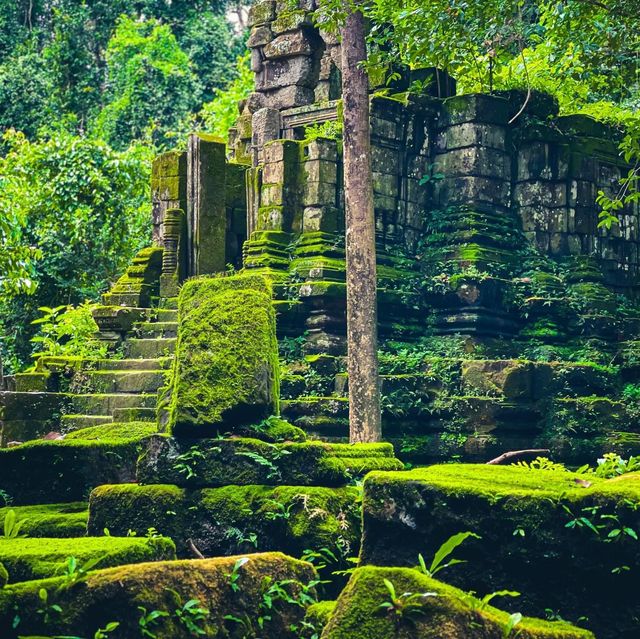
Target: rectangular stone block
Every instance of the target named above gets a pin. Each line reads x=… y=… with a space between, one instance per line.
x=464 y=190
x=320 y=218
x=319 y=193
x=285 y=72
x=289 y=44
x=321 y=171
x=226 y=370
x=262 y=12
x=550 y=194
x=474 y=160
x=321 y=149
x=543 y=160
x=288 y=97
x=472 y=133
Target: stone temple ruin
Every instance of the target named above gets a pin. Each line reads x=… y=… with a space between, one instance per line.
x=487 y=233
x=507 y=318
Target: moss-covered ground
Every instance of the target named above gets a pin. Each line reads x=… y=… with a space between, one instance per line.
x=38 y=558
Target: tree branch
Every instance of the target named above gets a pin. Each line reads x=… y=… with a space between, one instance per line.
x=517 y=453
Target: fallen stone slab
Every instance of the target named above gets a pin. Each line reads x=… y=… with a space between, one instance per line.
x=217 y=596
x=567 y=542
x=423 y=608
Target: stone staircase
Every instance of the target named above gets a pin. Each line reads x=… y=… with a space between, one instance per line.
x=65 y=394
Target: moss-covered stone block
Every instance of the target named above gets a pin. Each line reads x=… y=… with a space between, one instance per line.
x=233 y=519
x=429 y=609
x=226 y=369
x=56 y=471
x=164 y=586
x=51 y=520
x=114 y=431
x=534 y=539
x=26 y=559
x=216 y=462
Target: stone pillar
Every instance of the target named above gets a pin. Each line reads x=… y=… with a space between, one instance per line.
x=168 y=187
x=206 y=208
x=173 y=253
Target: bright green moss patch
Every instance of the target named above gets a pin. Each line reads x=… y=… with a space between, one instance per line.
x=127 y=430
x=226 y=370
x=550 y=535
x=215 y=462
x=446 y=613
x=118 y=593
x=233 y=519
x=59 y=471
x=27 y=559
x=4 y=576
x=51 y=520
x=318 y=615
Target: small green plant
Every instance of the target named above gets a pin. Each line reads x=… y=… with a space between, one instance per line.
x=149 y=620
x=68 y=330
x=73 y=573
x=404 y=606
x=5 y=498
x=190 y=615
x=234 y=575
x=475 y=603
x=613 y=465
x=540 y=463
x=273 y=472
x=103 y=633
x=443 y=552
x=186 y=462
x=47 y=610
x=513 y=620
x=12 y=526
x=277 y=510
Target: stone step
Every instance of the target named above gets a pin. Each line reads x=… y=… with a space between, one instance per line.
x=124 y=415
x=170 y=303
x=155 y=329
x=107 y=403
x=167 y=315
x=76 y=422
x=63 y=364
x=148 y=364
x=150 y=348
x=136 y=381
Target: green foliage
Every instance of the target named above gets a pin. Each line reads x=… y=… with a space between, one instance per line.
x=149 y=620
x=443 y=552
x=73 y=573
x=68 y=330
x=403 y=606
x=151 y=83
x=84 y=206
x=11 y=526
x=190 y=614
x=219 y=115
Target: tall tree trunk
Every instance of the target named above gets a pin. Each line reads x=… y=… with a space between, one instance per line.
x=362 y=316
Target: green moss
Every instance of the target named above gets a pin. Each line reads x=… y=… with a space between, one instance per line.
x=212 y=462
x=318 y=615
x=447 y=613
x=226 y=370
x=534 y=538
x=126 y=430
x=154 y=586
x=275 y=429
x=27 y=559
x=222 y=520
x=4 y=576
x=51 y=520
